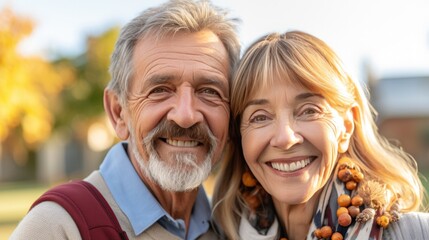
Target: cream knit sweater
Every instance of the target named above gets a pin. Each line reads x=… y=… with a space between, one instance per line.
x=49 y=220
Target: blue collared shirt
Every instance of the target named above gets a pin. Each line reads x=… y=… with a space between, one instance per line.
x=138 y=203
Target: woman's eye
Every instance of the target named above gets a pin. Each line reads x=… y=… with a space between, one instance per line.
x=258 y=118
x=310 y=113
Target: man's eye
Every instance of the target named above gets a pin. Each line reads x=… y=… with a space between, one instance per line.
x=159 y=93
x=158 y=90
x=210 y=91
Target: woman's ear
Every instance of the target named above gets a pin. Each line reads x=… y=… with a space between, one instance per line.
x=349 y=126
x=116 y=114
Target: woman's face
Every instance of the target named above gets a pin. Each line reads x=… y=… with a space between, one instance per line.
x=291 y=138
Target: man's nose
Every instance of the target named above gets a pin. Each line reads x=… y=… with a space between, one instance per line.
x=185 y=112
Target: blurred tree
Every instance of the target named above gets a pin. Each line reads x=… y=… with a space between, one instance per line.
x=28 y=86
x=38 y=96
x=82 y=102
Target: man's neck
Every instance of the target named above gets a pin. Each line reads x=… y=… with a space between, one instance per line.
x=178 y=204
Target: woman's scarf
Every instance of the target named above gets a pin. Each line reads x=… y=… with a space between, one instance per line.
x=325 y=215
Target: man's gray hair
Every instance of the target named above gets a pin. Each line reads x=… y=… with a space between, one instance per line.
x=165 y=20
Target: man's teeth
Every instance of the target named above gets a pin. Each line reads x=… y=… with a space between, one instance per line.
x=290 y=167
x=179 y=143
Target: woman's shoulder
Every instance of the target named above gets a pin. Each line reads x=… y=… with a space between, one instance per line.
x=412 y=225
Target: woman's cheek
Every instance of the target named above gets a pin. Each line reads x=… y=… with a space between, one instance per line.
x=250 y=144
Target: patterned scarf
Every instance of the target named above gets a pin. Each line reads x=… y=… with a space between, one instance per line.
x=326 y=215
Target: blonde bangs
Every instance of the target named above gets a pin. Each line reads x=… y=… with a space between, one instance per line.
x=278 y=58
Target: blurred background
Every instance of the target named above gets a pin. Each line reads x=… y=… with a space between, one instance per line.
x=54 y=58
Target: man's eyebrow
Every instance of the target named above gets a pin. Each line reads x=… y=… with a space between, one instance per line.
x=157 y=79
x=154 y=80
x=162 y=79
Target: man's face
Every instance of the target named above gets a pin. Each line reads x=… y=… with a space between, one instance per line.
x=178 y=110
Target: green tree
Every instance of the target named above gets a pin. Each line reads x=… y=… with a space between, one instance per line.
x=82 y=102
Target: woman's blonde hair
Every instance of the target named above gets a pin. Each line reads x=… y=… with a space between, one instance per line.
x=304 y=60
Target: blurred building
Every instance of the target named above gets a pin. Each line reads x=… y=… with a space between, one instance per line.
x=61 y=158
x=403 y=107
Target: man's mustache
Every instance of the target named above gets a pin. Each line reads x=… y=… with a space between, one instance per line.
x=169 y=129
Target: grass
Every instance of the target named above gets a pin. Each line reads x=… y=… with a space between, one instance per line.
x=15 y=200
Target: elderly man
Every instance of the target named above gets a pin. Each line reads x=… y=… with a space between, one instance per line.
x=169 y=101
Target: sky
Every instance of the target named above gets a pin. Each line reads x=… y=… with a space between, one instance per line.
x=389 y=36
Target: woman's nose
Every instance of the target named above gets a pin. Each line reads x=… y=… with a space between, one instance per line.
x=185 y=112
x=285 y=137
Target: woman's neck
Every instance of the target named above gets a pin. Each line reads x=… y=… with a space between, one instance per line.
x=296 y=219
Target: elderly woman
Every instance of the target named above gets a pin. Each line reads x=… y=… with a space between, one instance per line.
x=308 y=161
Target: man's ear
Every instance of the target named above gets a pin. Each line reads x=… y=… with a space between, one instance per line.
x=116 y=114
x=349 y=127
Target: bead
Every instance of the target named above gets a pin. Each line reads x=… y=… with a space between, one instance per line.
x=341 y=210
x=353 y=211
x=357 y=175
x=326 y=232
x=252 y=200
x=344 y=200
x=345 y=175
x=318 y=233
x=337 y=236
x=248 y=179
x=344 y=219
x=383 y=221
x=357 y=201
x=351 y=185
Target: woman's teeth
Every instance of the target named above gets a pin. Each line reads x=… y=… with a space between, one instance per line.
x=290 y=167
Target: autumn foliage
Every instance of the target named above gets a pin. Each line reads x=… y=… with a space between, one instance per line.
x=28 y=85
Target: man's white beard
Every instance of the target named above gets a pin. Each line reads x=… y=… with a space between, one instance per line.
x=178 y=174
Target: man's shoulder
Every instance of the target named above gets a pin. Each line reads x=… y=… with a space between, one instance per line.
x=47 y=220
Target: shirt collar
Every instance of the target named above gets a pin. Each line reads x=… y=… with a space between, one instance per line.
x=137 y=202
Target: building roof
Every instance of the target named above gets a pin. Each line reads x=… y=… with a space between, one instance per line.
x=402 y=97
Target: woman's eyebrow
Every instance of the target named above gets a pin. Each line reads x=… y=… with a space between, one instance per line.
x=299 y=97
x=304 y=96
x=256 y=102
